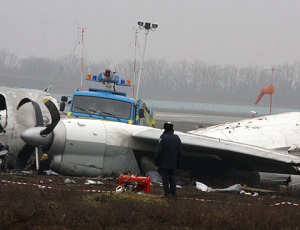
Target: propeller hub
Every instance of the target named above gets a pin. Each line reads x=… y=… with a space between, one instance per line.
x=33 y=137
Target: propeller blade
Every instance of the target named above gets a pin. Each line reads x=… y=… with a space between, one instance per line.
x=22 y=102
x=23 y=157
x=27 y=150
x=55 y=117
x=38 y=113
x=42 y=136
x=38 y=156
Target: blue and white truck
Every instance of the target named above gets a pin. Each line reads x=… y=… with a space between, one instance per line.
x=108 y=104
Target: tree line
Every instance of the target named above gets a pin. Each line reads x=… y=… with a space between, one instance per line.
x=193 y=81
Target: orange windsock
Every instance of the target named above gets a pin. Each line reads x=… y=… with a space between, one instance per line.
x=266 y=90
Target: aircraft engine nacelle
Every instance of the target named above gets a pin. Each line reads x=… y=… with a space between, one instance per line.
x=92 y=148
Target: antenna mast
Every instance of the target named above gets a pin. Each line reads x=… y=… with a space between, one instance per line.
x=273 y=70
x=81 y=32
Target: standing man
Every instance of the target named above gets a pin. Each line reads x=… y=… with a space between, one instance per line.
x=167 y=157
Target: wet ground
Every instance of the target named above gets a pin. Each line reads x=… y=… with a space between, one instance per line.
x=190 y=121
x=29 y=201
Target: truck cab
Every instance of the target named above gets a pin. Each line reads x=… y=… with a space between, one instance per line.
x=108 y=104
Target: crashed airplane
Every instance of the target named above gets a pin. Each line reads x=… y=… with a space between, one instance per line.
x=90 y=147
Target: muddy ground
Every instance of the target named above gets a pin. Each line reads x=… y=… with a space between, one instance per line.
x=31 y=201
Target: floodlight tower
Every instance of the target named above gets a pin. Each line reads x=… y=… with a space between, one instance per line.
x=136 y=31
x=147 y=26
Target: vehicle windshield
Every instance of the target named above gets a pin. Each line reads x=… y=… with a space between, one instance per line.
x=101 y=106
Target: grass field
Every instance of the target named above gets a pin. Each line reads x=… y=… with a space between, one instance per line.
x=25 y=204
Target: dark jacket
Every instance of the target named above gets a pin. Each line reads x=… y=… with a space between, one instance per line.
x=168 y=151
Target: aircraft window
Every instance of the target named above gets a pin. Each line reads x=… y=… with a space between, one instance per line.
x=3 y=112
x=2 y=102
x=101 y=106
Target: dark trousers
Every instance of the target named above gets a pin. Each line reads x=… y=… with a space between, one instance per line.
x=169 y=181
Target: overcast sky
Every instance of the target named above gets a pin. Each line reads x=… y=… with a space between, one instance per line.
x=252 y=32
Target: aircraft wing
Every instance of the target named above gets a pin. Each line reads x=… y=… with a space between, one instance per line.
x=237 y=155
x=280 y=131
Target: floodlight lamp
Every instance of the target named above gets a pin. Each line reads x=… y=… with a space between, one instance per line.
x=147 y=25
x=140 y=23
x=154 y=25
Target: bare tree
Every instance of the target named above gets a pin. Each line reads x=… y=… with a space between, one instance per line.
x=193 y=81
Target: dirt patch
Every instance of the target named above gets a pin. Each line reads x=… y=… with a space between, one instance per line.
x=47 y=202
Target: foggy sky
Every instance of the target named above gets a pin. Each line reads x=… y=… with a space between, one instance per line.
x=242 y=33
